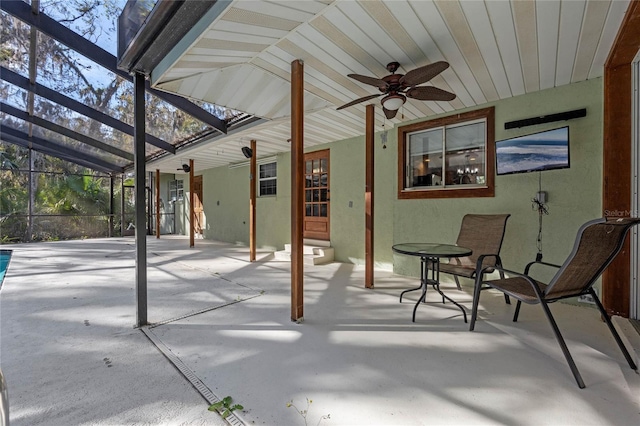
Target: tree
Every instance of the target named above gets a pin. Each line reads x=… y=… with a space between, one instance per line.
x=66 y=71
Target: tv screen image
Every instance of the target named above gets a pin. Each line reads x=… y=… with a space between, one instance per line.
x=547 y=150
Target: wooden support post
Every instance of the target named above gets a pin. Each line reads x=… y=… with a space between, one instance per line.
x=297 y=188
x=157 y=203
x=368 y=196
x=252 y=205
x=192 y=213
x=617 y=173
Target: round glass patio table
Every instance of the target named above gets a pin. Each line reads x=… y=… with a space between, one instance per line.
x=430 y=255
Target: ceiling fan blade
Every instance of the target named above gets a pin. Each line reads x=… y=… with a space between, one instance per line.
x=423 y=74
x=357 y=101
x=430 y=93
x=381 y=84
x=389 y=113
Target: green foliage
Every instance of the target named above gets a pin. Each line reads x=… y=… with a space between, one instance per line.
x=65 y=204
x=72 y=194
x=305 y=412
x=6 y=161
x=225 y=407
x=14 y=192
x=68 y=72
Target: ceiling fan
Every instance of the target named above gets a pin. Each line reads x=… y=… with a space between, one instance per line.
x=398 y=87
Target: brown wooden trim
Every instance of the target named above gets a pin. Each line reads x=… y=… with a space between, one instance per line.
x=297 y=188
x=252 y=204
x=325 y=234
x=368 y=196
x=627 y=42
x=314 y=155
x=192 y=214
x=157 y=203
x=485 y=191
x=617 y=174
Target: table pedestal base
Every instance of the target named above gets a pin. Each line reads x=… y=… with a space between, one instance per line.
x=434 y=282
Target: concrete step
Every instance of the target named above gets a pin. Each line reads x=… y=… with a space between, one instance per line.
x=312 y=255
x=317 y=243
x=310 y=249
x=630 y=336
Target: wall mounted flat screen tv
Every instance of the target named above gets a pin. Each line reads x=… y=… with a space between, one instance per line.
x=548 y=150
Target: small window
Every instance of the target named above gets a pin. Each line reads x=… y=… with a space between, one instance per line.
x=268 y=179
x=176 y=190
x=451 y=157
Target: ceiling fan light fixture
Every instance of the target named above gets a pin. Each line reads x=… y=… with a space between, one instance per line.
x=396 y=88
x=393 y=102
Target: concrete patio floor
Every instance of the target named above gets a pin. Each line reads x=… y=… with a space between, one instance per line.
x=71 y=355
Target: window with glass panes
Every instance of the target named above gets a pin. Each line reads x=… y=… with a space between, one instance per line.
x=176 y=190
x=448 y=157
x=316 y=187
x=267 y=179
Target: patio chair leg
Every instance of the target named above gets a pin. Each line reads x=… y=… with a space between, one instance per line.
x=517 y=311
x=477 y=288
x=613 y=330
x=457 y=282
x=563 y=345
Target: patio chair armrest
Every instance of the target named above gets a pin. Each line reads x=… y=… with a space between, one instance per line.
x=480 y=270
x=518 y=274
x=501 y=269
x=539 y=262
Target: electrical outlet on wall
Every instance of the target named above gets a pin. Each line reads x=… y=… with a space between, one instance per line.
x=541 y=197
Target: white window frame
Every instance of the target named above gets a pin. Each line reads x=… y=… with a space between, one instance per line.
x=176 y=190
x=273 y=178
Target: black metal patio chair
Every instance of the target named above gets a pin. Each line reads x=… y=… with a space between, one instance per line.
x=598 y=242
x=482 y=233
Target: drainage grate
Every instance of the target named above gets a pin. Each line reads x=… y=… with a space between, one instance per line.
x=206 y=393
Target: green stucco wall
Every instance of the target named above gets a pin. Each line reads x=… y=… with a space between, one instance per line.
x=226 y=206
x=574 y=194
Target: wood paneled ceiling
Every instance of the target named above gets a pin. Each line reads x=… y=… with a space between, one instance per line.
x=497 y=49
